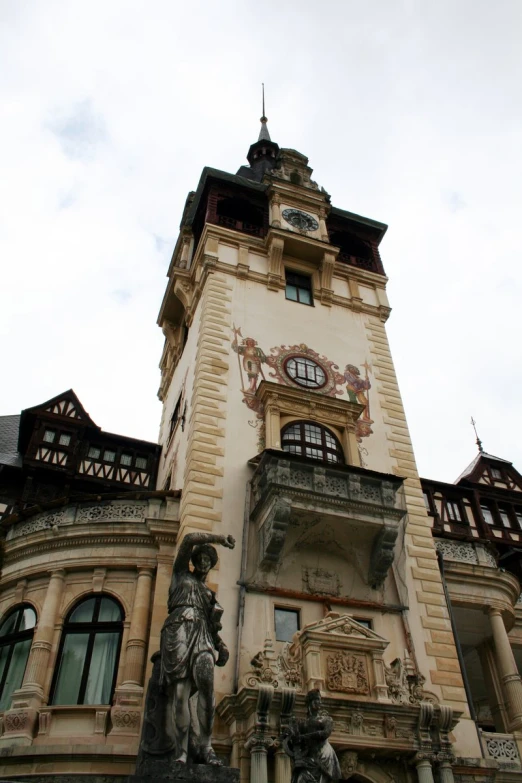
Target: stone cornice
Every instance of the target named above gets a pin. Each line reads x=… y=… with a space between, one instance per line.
x=477 y=585
x=288 y=400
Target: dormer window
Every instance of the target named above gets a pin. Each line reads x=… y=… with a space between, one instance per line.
x=49 y=436
x=496 y=474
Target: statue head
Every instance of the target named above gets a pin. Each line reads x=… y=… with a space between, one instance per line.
x=203 y=558
x=313 y=700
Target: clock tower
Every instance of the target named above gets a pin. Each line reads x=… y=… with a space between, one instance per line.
x=283 y=426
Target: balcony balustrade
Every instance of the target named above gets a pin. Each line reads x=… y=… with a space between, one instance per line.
x=287 y=490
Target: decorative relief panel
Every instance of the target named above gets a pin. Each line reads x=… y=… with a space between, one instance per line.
x=319 y=581
x=97 y=512
x=502 y=748
x=347 y=673
x=462 y=552
x=111 y=512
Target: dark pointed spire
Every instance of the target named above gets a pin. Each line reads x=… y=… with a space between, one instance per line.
x=262 y=155
x=263 y=133
x=478 y=441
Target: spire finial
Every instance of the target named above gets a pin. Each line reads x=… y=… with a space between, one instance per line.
x=263 y=133
x=478 y=441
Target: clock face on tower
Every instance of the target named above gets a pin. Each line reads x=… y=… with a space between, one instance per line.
x=301 y=220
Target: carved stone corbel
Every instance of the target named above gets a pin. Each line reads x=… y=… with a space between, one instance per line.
x=273 y=532
x=382 y=555
x=275 y=263
x=327 y=268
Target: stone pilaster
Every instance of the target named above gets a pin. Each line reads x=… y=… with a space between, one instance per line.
x=507 y=669
x=126 y=712
x=20 y=720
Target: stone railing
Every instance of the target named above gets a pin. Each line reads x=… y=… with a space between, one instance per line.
x=86 y=513
x=465 y=552
x=501 y=748
x=286 y=487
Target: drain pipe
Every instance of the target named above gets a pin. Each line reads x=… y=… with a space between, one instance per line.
x=460 y=656
x=241 y=583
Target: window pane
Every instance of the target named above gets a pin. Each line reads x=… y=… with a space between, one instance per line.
x=64 y=439
x=101 y=669
x=83 y=613
x=49 y=436
x=488 y=516
x=495 y=472
x=291 y=292
x=109 y=456
x=4 y=652
x=518 y=515
x=71 y=669
x=305 y=296
x=28 y=619
x=505 y=518
x=141 y=463
x=126 y=459
x=94 y=452
x=8 y=625
x=314 y=453
x=286 y=624
x=15 y=673
x=110 y=612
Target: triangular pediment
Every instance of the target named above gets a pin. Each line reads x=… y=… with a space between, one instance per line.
x=343 y=626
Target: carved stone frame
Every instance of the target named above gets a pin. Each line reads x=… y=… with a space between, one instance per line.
x=278 y=401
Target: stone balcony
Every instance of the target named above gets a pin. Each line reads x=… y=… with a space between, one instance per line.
x=288 y=490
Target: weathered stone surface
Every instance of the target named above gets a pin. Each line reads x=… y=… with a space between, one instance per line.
x=166 y=768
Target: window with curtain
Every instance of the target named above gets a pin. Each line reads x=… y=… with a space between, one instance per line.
x=311 y=440
x=16 y=635
x=89 y=651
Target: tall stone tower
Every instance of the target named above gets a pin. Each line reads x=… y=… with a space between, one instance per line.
x=283 y=425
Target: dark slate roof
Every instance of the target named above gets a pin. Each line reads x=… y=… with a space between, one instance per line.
x=9 y=454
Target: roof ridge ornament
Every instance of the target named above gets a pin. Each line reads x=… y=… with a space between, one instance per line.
x=478 y=441
x=263 y=133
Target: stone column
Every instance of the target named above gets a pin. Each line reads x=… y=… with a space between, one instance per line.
x=424 y=770
x=507 y=669
x=126 y=710
x=20 y=720
x=258 y=747
x=137 y=641
x=446 y=772
x=38 y=662
x=283 y=767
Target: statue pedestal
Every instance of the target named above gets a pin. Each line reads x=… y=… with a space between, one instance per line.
x=157 y=768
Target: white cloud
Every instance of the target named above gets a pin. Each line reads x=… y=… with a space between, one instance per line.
x=408 y=112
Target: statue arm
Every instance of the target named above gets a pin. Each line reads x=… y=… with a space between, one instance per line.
x=193 y=539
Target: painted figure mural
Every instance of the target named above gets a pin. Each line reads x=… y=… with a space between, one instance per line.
x=299 y=365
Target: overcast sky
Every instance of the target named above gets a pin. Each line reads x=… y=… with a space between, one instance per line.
x=409 y=111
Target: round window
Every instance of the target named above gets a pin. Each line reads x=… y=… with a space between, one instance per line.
x=305 y=372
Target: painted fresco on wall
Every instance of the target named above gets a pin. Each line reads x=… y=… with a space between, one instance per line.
x=332 y=382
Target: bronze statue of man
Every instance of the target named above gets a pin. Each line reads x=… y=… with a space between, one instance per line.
x=191 y=647
x=306 y=742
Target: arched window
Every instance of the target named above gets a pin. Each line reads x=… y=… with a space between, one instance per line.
x=89 y=653
x=311 y=440
x=16 y=635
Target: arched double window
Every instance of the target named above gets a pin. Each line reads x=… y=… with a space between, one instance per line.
x=312 y=440
x=16 y=635
x=89 y=651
